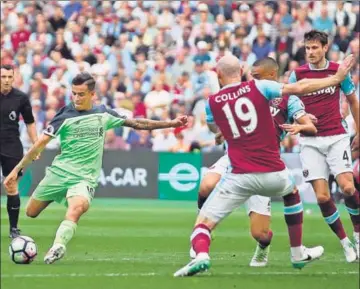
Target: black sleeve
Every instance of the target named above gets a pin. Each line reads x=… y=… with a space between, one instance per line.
x=53 y=127
x=112 y=112
x=26 y=111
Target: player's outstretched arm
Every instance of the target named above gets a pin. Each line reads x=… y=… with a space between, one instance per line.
x=148 y=124
x=302 y=125
x=32 y=154
x=306 y=86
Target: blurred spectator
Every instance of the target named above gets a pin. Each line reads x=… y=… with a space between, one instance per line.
x=157 y=100
x=72 y=9
x=21 y=34
x=342 y=39
x=341 y=16
x=180 y=146
x=262 y=46
x=205 y=137
x=286 y=18
x=284 y=49
x=58 y=20
x=199 y=78
x=164 y=141
x=324 y=22
x=38 y=112
x=183 y=64
x=140 y=140
x=139 y=106
x=301 y=26
x=114 y=142
x=61 y=46
x=221 y=8
x=203 y=54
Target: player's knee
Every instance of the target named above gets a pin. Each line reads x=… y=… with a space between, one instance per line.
x=210 y=224
x=205 y=189
x=31 y=213
x=323 y=197
x=348 y=189
x=77 y=210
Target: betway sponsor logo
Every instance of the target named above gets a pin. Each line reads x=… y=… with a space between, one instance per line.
x=233 y=95
x=118 y=177
x=329 y=90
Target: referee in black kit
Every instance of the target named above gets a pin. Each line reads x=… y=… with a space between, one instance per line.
x=13 y=102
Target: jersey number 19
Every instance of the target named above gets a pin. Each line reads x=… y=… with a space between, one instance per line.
x=248 y=115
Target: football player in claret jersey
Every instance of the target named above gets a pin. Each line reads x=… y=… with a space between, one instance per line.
x=72 y=177
x=241 y=112
x=285 y=111
x=329 y=151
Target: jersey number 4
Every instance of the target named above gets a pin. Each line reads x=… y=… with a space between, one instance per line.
x=248 y=115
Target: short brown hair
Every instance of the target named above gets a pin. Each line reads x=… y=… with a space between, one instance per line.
x=85 y=78
x=316 y=35
x=7 y=67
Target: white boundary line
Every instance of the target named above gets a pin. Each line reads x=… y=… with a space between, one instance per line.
x=152 y=274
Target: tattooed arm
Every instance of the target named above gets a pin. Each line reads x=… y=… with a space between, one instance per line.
x=148 y=124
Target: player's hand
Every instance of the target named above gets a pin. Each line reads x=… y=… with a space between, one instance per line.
x=180 y=121
x=293 y=129
x=313 y=118
x=345 y=67
x=219 y=138
x=10 y=180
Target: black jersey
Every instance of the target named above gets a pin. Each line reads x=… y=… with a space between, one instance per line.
x=12 y=105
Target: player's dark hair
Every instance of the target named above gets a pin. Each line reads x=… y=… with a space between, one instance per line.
x=267 y=62
x=84 y=78
x=316 y=35
x=7 y=67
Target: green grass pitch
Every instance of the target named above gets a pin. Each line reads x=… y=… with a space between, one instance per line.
x=140 y=244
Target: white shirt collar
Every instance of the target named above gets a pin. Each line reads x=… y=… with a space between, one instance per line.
x=324 y=68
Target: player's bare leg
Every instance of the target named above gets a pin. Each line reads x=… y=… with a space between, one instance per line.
x=332 y=217
x=352 y=202
x=13 y=208
x=260 y=231
x=77 y=206
x=35 y=207
x=293 y=212
x=207 y=185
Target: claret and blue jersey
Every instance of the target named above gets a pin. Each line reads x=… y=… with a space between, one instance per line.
x=325 y=103
x=284 y=109
x=241 y=111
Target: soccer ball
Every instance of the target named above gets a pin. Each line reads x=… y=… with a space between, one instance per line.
x=22 y=250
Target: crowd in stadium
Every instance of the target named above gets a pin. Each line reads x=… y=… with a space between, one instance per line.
x=156 y=59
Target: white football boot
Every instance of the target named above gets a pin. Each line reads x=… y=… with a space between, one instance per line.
x=260 y=257
x=349 y=250
x=200 y=264
x=56 y=252
x=308 y=255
